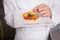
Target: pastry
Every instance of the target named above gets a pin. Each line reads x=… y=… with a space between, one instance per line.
x=32 y=16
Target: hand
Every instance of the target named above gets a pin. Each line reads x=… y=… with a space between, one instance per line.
x=43 y=9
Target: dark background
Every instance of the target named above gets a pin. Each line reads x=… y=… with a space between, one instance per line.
x=6 y=31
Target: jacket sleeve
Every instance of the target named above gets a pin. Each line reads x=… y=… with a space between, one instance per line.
x=55 y=7
x=10 y=9
x=8 y=15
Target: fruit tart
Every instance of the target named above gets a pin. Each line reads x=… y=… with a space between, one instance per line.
x=31 y=16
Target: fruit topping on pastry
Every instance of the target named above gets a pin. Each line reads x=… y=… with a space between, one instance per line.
x=30 y=16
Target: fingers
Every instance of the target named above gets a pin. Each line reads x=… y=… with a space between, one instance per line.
x=35 y=9
x=42 y=12
x=45 y=12
x=43 y=9
x=47 y=15
x=39 y=7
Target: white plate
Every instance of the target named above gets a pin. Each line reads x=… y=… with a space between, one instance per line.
x=20 y=22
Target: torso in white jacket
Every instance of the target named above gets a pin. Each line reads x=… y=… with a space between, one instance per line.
x=17 y=7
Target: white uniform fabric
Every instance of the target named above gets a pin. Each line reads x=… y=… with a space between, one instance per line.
x=16 y=7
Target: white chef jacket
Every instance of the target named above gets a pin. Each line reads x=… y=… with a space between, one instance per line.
x=18 y=7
